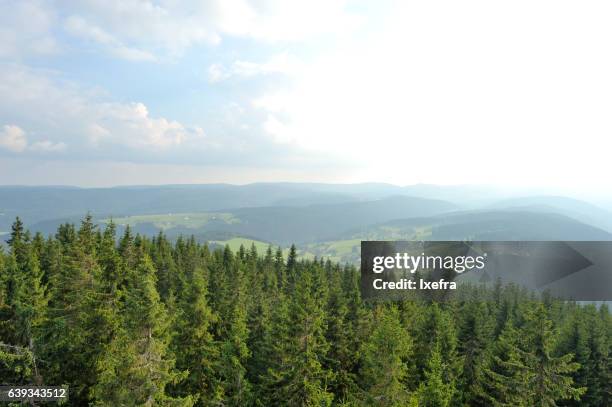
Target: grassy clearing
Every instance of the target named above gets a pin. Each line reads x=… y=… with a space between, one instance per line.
x=337 y=251
x=171 y=220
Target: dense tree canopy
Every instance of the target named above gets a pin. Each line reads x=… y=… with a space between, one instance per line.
x=137 y=321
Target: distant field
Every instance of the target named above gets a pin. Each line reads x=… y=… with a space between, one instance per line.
x=171 y=220
x=393 y=232
x=349 y=250
x=337 y=251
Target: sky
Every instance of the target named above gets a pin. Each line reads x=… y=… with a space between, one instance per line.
x=115 y=92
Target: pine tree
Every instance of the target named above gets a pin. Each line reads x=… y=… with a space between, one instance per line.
x=291 y=265
x=474 y=334
x=435 y=391
x=263 y=293
x=113 y=277
x=601 y=348
x=81 y=316
x=437 y=328
x=298 y=374
x=27 y=301
x=4 y=279
x=8 y=270
x=342 y=356
x=550 y=378
x=194 y=345
x=503 y=377
x=137 y=366
x=234 y=349
x=279 y=266
x=17 y=233
x=576 y=341
x=17 y=365
x=384 y=372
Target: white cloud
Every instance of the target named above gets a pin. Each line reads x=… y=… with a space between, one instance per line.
x=68 y=114
x=138 y=29
x=135 y=29
x=147 y=31
x=132 y=126
x=283 y=63
x=13 y=139
x=80 y=27
x=26 y=29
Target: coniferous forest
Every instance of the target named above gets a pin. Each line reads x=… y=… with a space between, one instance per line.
x=136 y=321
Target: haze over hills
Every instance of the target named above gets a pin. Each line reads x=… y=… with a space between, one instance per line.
x=577 y=209
x=322 y=219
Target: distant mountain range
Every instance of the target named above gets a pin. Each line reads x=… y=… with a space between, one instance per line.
x=312 y=215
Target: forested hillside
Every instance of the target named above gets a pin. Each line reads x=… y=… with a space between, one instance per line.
x=131 y=320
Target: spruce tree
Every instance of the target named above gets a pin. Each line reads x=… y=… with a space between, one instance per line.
x=550 y=379
x=435 y=391
x=137 y=365
x=27 y=299
x=341 y=335
x=234 y=349
x=474 y=334
x=503 y=377
x=298 y=374
x=194 y=345
x=384 y=354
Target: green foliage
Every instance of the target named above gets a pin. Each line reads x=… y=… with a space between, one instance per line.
x=137 y=365
x=548 y=376
x=503 y=377
x=384 y=354
x=435 y=391
x=133 y=321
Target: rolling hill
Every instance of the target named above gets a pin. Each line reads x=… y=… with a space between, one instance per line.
x=322 y=219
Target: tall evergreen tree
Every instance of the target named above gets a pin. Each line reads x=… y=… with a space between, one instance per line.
x=435 y=391
x=550 y=378
x=503 y=377
x=194 y=345
x=299 y=375
x=137 y=365
x=234 y=349
x=384 y=372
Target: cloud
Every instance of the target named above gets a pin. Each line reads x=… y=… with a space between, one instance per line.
x=26 y=29
x=144 y=30
x=81 y=117
x=283 y=63
x=78 y=26
x=131 y=125
x=87 y=124
x=13 y=139
x=135 y=29
x=139 y=30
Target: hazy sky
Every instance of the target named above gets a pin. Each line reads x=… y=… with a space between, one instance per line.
x=105 y=92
